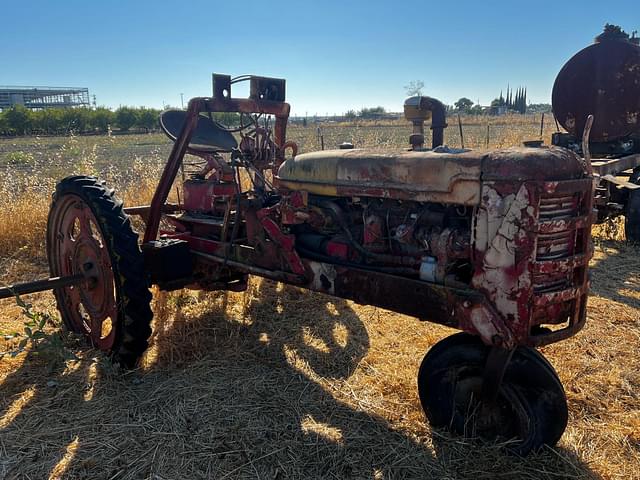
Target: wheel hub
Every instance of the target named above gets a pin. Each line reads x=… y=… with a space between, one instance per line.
x=486 y=419
x=90 y=307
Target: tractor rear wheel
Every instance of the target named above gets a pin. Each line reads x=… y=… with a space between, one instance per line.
x=632 y=213
x=87 y=230
x=530 y=409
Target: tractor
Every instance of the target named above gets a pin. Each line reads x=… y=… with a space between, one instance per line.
x=493 y=243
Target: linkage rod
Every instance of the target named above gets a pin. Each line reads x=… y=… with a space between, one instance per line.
x=41 y=285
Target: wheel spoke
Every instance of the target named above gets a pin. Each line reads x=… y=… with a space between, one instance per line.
x=75 y=306
x=85 y=223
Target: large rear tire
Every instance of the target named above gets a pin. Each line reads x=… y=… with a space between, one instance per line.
x=530 y=408
x=87 y=228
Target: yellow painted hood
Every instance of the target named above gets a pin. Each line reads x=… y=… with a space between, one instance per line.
x=419 y=176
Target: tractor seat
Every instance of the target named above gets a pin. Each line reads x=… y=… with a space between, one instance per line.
x=207 y=137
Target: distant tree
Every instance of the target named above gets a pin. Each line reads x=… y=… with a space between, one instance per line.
x=520 y=101
x=539 y=108
x=414 y=88
x=475 y=110
x=373 y=112
x=463 y=105
x=350 y=115
x=101 y=118
x=612 y=31
x=47 y=121
x=75 y=119
x=18 y=119
x=229 y=119
x=125 y=118
x=147 y=118
x=4 y=126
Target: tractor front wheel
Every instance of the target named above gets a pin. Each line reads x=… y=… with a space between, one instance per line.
x=87 y=230
x=529 y=411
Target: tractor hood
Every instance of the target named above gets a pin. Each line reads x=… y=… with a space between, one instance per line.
x=445 y=176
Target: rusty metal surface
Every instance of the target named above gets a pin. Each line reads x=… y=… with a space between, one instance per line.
x=205 y=104
x=277 y=275
x=616 y=165
x=520 y=164
x=453 y=178
x=79 y=245
x=603 y=80
x=525 y=244
x=419 y=176
x=621 y=183
x=207 y=136
x=527 y=271
x=427 y=301
x=504 y=250
x=532 y=246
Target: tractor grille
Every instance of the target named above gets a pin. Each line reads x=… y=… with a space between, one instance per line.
x=562 y=253
x=554 y=208
x=556 y=240
x=552 y=246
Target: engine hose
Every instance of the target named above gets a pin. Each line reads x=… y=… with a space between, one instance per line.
x=336 y=213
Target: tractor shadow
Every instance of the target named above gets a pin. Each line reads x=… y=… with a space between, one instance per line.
x=253 y=385
x=615 y=272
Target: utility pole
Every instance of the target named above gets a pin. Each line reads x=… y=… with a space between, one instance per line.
x=182 y=100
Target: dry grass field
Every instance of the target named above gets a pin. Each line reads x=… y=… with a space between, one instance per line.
x=277 y=382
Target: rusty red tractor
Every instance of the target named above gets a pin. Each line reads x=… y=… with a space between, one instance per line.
x=494 y=243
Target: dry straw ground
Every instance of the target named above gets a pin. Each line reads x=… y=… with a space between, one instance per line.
x=277 y=382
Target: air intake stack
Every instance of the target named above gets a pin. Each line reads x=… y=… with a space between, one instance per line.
x=418 y=110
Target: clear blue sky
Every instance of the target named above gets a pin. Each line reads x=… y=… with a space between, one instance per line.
x=335 y=55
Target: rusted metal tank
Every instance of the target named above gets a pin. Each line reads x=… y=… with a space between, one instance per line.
x=603 y=80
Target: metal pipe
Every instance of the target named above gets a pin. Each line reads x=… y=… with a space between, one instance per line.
x=494 y=370
x=585 y=145
x=438 y=121
x=171 y=168
x=41 y=285
x=416 y=110
x=277 y=275
x=144 y=209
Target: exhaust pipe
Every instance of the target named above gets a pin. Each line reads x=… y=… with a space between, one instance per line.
x=419 y=109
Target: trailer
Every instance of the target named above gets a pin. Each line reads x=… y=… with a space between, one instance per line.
x=603 y=80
